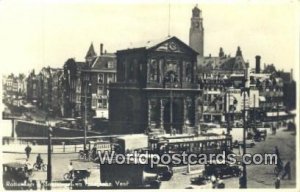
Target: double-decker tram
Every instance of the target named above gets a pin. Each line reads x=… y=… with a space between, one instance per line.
x=208 y=143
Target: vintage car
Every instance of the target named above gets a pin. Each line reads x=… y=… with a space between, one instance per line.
x=260 y=135
x=199 y=180
x=79 y=180
x=249 y=143
x=17 y=177
x=164 y=172
x=221 y=169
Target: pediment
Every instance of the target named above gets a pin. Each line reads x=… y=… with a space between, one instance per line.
x=170 y=46
x=173 y=45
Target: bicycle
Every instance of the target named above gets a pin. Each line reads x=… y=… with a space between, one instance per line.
x=42 y=166
x=83 y=155
x=67 y=176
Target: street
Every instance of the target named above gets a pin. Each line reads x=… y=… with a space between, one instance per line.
x=259 y=176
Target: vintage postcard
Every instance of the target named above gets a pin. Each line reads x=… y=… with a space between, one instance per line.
x=149 y=95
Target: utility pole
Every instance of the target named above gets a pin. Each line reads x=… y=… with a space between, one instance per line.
x=277 y=107
x=243 y=182
x=228 y=113
x=254 y=114
x=85 y=113
x=49 y=166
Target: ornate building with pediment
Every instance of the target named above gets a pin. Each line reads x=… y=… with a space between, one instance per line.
x=156 y=89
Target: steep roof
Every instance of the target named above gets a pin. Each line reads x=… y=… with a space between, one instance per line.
x=91 y=52
x=103 y=61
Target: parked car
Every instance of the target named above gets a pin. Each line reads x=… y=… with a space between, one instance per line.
x=164 y=172
x=220 y=169
x=249 y=143
x=80 y=179
x=16 y=176
x=260 y=135
x=199 y=180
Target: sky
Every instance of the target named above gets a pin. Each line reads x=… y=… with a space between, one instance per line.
x=35 y=33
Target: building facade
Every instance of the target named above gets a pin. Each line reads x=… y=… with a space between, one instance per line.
x=32 y=87
x=156 y=89
x=102 y=72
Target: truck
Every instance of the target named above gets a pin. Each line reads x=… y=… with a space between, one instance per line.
x=129 y=143
x=128 y=176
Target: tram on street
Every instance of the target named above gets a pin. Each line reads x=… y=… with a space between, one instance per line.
x=208 y=143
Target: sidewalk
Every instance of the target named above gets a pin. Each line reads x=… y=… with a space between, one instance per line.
x=43 y=149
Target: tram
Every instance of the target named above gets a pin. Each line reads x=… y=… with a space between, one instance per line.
x=208 y=143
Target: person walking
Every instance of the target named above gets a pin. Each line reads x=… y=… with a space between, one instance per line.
x=277 y=183
x=287 y=171
x=28 y=151
x=276 y=151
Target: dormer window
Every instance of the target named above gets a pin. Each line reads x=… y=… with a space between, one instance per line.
x=110 y=64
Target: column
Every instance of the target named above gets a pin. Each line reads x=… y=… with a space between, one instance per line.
x=196 y=112
x=148 y=70
x=162 y=107
x=185 y=116
x=149 y=112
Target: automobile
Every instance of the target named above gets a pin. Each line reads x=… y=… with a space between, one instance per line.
x=260 y=136
x=164 y=172
x=221 y=169
x=249 y=143
x=79 y=180
x=199 y=180
x=17 y=177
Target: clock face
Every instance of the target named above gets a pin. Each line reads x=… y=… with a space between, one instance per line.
x=172 y=46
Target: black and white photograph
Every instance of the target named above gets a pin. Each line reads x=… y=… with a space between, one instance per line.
x=110 y=95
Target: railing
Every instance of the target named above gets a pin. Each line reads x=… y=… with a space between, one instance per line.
x=123 y=85
x=183 y=85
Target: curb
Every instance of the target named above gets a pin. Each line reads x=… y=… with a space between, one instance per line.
x=39 y=152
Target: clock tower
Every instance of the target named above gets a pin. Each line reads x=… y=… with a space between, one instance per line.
x=197 y=31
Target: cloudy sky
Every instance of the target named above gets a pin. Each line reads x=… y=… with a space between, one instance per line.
x=40 y=33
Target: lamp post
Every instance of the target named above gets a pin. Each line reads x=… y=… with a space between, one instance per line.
x=85 y=113
x=228 y=113
x=49 y=165
x=243 y=183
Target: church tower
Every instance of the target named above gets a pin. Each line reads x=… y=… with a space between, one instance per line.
x=197 y=31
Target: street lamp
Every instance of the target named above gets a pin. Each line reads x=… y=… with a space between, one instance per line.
x=49 y=165
x=243 y=182
x=85 y=113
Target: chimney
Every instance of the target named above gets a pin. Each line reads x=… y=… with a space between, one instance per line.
x=291 y=76
x=101 y=49
x=257 y=65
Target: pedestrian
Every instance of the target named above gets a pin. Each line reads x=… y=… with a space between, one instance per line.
x=28 y=151
x=71 y=169
x=277 y=183
x=276 y=151
x=242 y=182
x=287 y=170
